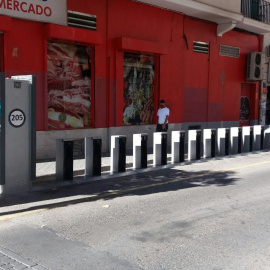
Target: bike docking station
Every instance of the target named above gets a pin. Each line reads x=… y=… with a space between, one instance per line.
x=118 y=154
x=178 y=146
x=234 y=146
x=64 y=159
x=194 y=144
x=256 y=137
x=266 y=137
x=18 y=133
x=140 y=151
x=221 y=142
x=214 y=142
x=159 y=149
x=245 y=144
x=209 y=143
x=92 y=151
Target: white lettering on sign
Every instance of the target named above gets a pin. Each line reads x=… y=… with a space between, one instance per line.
x=49 y=11
x=16 y=118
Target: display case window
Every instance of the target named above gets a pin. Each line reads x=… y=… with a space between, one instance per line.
x=69 y=86
x=139 y=82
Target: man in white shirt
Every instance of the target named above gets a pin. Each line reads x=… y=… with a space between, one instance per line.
x=163 y=115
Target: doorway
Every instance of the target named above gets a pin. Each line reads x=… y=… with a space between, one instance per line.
x=245 y=104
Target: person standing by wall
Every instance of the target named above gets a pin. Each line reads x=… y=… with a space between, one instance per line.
x=163 y=115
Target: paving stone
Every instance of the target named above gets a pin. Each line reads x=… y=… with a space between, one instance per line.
x=16 y=263
x=7 y=260
x=6 y=267
x=21 y=267
x=39 y=267
x=12 y=261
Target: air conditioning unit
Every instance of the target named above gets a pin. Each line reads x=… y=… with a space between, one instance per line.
x=254 y=66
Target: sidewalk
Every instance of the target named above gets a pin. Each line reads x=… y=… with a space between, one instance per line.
x=45 y=170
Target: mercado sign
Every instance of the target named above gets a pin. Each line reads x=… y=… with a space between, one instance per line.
x=49 y=11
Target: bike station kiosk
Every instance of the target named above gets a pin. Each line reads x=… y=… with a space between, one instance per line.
x=18 y=133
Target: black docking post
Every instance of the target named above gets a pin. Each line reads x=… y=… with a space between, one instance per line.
x=251 y=138
x=64 y=160
x=97 y=146
x=182 y=147
x=262 y=137
x=240 y=140
x=144 y=140
x=164 y=148
x=198 y=144
x=227 y=141
x=213 y=142
x=122 y=154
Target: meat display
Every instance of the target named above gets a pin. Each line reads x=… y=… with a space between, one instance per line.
x=69 y=86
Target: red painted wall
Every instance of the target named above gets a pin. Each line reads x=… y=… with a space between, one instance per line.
x=24 y=53
x=197 y=87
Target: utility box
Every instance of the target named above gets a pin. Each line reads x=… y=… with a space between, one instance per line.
x=18 y=133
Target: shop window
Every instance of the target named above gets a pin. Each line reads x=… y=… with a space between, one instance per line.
x=69 y=86
x=139 y=81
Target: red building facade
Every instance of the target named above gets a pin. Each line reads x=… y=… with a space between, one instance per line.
x=108 y=80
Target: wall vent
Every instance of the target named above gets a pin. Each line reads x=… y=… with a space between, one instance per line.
x=229 y=51
x=200 y=47
x=82 y=20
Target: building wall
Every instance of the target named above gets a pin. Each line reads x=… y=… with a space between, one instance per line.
x=198 y=88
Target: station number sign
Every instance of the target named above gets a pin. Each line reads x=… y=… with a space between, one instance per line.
x=16 y=118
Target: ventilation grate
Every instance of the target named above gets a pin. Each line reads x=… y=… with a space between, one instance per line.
x=200 y=47
x=229 y=51
x=82 y=20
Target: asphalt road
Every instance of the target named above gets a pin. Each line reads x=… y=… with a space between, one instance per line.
x=209 y=215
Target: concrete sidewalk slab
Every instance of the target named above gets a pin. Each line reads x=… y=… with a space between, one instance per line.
x=47 y=169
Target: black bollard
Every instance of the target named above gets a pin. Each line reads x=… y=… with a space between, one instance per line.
x=251 y=139
x=144 y=139
x=262 y=137
x=92 y=151
x=227 y=141
x=68 y=160
x=122 y=154
x=64 y=160
x=97 y=146
x=164 y=149
x=198 y=144
x=240 y=139
x=182 y=147
x=213 y=142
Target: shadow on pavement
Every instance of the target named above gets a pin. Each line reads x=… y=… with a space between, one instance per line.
x=164 y=180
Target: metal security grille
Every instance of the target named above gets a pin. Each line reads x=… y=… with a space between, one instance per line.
x=82 y=20
x=256 y=9
x=200 y=47
x=229 y=51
